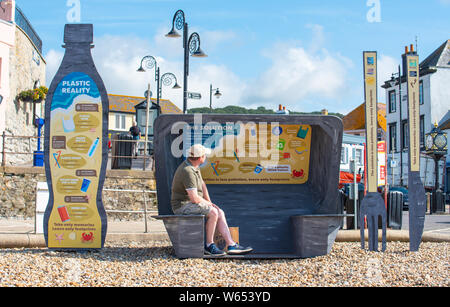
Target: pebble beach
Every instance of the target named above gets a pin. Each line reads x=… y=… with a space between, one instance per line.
x=155 y=265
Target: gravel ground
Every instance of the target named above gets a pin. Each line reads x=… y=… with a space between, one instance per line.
x=155 y=265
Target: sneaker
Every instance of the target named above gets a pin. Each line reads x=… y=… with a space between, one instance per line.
x=238 y=249
x=213 y=250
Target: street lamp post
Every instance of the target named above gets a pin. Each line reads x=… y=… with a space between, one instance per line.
x=149 y=62
x=167 y=79
x=218 y=94
x=191 y=46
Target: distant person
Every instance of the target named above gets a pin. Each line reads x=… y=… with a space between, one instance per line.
x=135 y=132
x=190 y=197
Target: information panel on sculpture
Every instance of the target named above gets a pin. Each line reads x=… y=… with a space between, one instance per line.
x=75 y=162
x=254 y=153
x=414 y=111
x=370 y=89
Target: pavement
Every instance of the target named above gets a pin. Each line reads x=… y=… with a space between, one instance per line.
x=15 y=233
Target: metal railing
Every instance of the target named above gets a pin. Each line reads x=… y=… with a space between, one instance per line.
x=141 y=159
x=137 y=152
x=23 y=22
x=145 y=210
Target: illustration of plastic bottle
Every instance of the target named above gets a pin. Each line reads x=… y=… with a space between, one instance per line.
x=93 y=147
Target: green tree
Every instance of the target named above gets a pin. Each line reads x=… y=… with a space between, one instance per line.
x=242 y=110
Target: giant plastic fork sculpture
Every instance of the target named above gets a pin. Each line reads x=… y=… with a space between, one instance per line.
x=372 y=206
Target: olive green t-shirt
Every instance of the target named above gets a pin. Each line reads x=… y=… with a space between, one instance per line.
x=186 y=177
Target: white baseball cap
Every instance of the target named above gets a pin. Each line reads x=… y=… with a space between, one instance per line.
x=198 y=150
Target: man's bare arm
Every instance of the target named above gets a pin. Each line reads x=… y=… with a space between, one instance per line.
x=205 y=192
x=195 y=198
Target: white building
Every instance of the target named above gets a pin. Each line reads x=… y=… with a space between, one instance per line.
x=22 y=67
x=434 y=104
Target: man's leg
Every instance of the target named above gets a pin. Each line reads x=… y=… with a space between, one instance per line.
x=222 y=227
x=216 y=218
x=211 y=224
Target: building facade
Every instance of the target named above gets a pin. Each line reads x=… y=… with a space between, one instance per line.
x=22 y=67
x=434 y=100
x=122 y=112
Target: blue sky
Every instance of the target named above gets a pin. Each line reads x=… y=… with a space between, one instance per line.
x=304 y=54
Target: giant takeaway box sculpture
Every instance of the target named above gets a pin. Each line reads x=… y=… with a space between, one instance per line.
x=275 y=176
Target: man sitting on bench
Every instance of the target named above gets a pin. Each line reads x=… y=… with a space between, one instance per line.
x=190 y=197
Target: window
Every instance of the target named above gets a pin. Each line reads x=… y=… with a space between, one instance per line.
x=120 y=121
x=359 y=157
x=392 y=102
x=421 y=101
x=392 y=137
x=405 y=133
x=344 y=155
x=422 y=131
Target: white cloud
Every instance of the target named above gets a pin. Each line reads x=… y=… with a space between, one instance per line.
x=117 y=59
x=386 y=66
x=230 y=85
x=318 y=38
x=298 y=73
x=53 y=60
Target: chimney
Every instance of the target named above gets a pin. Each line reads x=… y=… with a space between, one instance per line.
x=404 y=64
x=407 y=51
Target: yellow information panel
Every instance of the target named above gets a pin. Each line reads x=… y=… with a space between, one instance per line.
x=413 y=111
x=370 y=88
x=258 y=154
x=75 y=161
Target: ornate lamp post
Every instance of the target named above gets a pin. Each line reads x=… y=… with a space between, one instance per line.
x=436 y=147
x=191 y=46
x=167 y=79
x=218 y=94
x=149 y=62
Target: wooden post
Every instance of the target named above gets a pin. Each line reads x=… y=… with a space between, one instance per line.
x=146 y=126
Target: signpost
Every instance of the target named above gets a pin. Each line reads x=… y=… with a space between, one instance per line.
x=194 y=95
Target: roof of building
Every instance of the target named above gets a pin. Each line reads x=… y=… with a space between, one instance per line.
x=126 y=104
x=356 y=119
x=439 y=58
x=353 y=139
x=444 y=124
